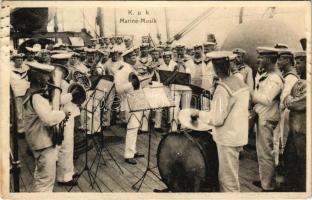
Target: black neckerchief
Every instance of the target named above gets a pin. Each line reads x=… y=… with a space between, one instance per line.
x=262 y=78
x=19 y=73
x=198 y=62
x=142 y=62
x=241 y=67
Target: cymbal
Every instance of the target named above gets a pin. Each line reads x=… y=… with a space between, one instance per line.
x=197 y=124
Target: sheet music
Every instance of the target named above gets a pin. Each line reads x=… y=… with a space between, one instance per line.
x=137 y=101
x=155 y=97
x=149 y=98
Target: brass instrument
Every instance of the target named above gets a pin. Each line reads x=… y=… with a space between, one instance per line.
x=57 y=130
x=81 y=78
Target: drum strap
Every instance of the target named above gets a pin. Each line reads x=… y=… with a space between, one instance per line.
x=191 y=139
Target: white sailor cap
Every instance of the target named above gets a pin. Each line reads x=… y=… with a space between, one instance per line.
x=60 y=58
x=284 y=52
x=59 y=45
x=75 y=54
x=127 y=52
x=117 y=48
x=161 y=47
x=58 y=52
x=210 y=43
x=119 y=37
x=144 y=45
x=42 y=51
x=180 y=46
x=17 y=55
x=267 y=51
x=281 y=46
x=154 y=49
x=239 y=51
x=40 y=66
x=167 y=53
x=89 y=50
x=298 y=54
x=103 y=51
x=128 y=37
x=216 y=55
x=35 y=49
x=198 y=45
x=232 y=56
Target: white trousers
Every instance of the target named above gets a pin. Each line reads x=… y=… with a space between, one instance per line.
x=87 y=122
x=265 y=153
x=45 y=169
x=146 y=114
x=179 y=96
x=228 y=168
x=19 y=114
x=108 y=112
x=65 y=164
x=134 y=123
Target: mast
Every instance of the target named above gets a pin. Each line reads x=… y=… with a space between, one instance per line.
x=115 y=21
x=62 y=20
x=192 y=25
x=83 y=19
x=100 y=21
x=241 y=14
x=167 y=24
x=55 y=22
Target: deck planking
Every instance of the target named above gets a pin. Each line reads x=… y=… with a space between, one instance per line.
x=109 y=177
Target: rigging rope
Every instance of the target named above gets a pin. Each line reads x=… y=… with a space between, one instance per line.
x=192 y=25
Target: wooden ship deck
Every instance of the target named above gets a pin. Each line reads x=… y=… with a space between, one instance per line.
x=109 y=177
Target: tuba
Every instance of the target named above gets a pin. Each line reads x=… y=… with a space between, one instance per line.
x=82 y=79
x=58 y=129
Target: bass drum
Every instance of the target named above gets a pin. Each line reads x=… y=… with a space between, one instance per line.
x=188 y=162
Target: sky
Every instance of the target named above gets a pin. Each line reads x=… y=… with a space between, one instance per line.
x=219 y=21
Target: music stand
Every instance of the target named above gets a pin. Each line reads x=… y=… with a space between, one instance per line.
x=87 y=168
x=104 y=99
x=151 y=99
x=173 y=77
x=99 y=95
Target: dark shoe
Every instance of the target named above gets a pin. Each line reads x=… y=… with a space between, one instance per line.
x=241 y=156
x=159 y=129
x=68 y=183
x=257 y=184
x=138 y=155
x=131 y=161
x=274 y=190
x=163 y=190
x=21 y=135
x=75 y=176
x=29 y=152
x=90 y=136
x=142 y=132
